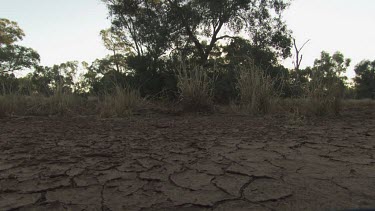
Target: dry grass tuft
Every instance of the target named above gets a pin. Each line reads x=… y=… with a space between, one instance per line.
x=122 y=103
x=324 y=98
x=257 y=90
x=196 y=89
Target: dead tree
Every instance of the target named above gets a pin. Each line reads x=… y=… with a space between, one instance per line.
x=299 y=57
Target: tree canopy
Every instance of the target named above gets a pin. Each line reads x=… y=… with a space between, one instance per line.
x=365 y=79
x=14 y=57
x=156 y=27
x=329 y=67
x=10 y=32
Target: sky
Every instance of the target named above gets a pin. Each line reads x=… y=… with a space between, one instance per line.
x=333 y=25
x=66 y=30
x=60 y=30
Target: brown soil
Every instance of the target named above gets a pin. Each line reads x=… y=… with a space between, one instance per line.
x=217 y=162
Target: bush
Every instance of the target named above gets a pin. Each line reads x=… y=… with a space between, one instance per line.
x=195 y=89
x=257 y=90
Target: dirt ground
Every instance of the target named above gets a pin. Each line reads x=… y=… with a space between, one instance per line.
x=161 y=162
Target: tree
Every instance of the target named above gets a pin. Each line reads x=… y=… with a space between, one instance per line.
x=155 y=27
x=63 y=76
x=14 y=57
x=326 y=78
x=58 y=78
x=115 y=42
x=365 y=79
x=298 y=56
x=329 y=67
x=10 y=32
x=241 y=51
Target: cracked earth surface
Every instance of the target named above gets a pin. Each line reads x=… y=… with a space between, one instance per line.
x=218 y=162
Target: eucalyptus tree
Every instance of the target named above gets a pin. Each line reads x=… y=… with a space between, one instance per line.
x=330 y=67
x=10 y=32
x=327 y=75
x=365 y=79
x=157 y=27
x=14 y=57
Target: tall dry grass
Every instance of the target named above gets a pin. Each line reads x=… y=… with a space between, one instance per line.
x=59 y=103
x=121 y=103
x=324 y=97
x=257 y=90
x=15 y=104
x=195 y=88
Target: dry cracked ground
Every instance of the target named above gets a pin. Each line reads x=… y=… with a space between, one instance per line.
x=217 y=162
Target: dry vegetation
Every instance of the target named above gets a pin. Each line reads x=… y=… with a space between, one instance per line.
x=58 y=104
x=257 y=90
x=196 y=88
x=258 y=95
x=324 y=98
x=120 y=104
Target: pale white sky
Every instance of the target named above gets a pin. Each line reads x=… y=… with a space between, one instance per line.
x=333 y=25
x=60 y=30
x=65 y=30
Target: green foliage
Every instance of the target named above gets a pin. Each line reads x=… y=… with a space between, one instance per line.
x=330 y=67
x=241 y=52
x=365 y=79
x=10 y=32
x=329 y=70
x=196 y=26
x=14 y=57
x=46 y=80
x=327 y=85
x=115 y=41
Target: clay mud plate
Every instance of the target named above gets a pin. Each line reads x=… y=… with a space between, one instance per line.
x=189 y=162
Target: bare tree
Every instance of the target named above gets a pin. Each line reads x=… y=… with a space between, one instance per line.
x=299 y=56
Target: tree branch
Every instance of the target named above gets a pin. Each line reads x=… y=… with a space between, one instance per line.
x=303 y=44
x=298 y=57
x=189 y=32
